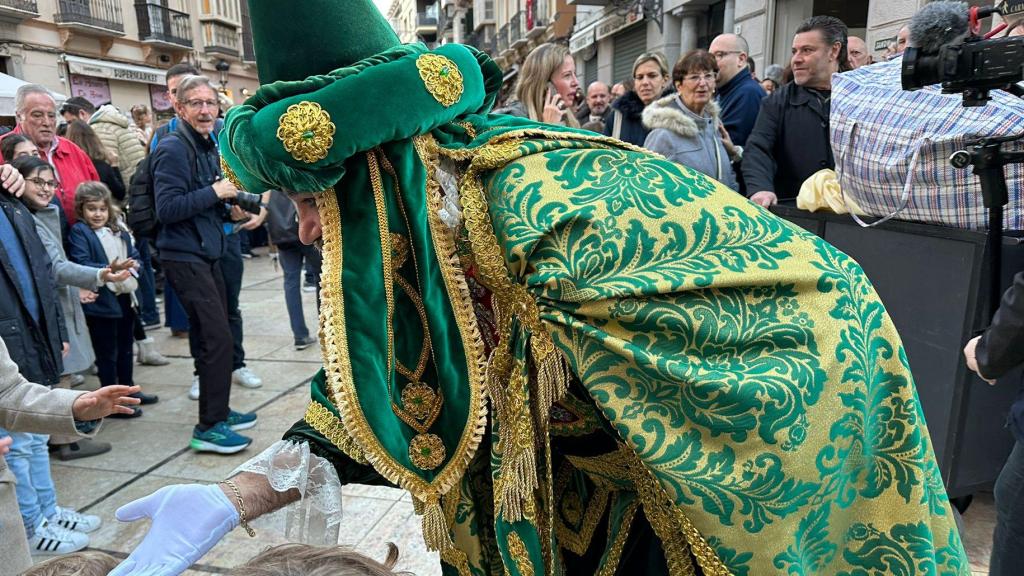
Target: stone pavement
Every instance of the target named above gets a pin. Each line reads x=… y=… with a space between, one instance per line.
x=152 y=451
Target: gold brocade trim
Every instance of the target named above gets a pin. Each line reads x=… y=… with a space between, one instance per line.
x=669 y=522
x=469 y=128
x=614 y=554
x=342 y=387
x=610 y=470
x=306 y=131
x=441 y=77
x=589 y=513
x=519 y=554
x=230 y=174
x=321 y=419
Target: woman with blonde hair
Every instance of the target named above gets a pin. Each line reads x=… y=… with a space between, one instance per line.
x=650 y=79
x=548 y=89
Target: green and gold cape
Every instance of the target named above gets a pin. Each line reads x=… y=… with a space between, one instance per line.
x=681 y=379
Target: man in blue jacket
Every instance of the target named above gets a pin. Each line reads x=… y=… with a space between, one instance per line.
x=739 y=94
x=190 y=197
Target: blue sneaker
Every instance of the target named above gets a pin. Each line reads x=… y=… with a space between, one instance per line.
x=238 y=421
x=220 y=439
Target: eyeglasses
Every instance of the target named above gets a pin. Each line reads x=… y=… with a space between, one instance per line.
x=696 y=78
x=43 y=183
x=200 y=104
x=723 y=53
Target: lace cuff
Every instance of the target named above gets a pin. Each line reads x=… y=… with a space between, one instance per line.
x=316 y=517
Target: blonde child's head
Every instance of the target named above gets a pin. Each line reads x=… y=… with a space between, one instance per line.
x=84 y=563
x=306 y=560
x=95 y=206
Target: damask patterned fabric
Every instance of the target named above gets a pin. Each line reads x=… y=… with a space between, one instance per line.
x=746 y=363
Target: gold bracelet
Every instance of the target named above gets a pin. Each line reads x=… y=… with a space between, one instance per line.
x=241 y=508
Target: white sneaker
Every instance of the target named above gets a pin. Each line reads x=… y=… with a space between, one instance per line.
x=52 y=540
x=245 y=377
x=72 y=520
x=193 y=392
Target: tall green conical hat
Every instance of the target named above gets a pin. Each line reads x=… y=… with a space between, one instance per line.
x=296 y=40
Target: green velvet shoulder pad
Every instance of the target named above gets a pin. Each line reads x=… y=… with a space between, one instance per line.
x=296 y=136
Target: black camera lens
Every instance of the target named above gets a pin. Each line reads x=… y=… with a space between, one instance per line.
x=248 y=201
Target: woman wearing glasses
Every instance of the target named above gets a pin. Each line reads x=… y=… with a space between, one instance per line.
x=685 y=127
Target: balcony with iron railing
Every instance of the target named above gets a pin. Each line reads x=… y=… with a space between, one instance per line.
x=517 y=29
x=426 y=21
x=18 y=10
x=503 y=38
x=101 y=17
x=220 y=38
x=162 y=26
x=537 y=19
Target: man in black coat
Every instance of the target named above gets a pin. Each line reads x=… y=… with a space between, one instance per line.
x=998 y=351
x=790 y=140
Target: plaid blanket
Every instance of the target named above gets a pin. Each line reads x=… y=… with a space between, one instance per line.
x=877 y=129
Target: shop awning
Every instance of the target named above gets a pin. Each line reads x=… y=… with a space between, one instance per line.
x=9 y=87
x=114 y=70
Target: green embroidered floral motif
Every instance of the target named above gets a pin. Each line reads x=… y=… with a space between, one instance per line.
x=877 y=443
x=626 y=180
x=811 y=549
x=733 y=364
x=904 y=550
x=735 y=561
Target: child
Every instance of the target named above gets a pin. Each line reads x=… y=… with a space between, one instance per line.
x=98 y=240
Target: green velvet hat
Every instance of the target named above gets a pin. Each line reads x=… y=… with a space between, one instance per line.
x=336 y=81
x=296 y=40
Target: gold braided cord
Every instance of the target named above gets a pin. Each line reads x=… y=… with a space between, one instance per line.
x=520 y=555
x=590 y=512
x=669 y=522
x=321 y=419
x=613 y=554
x=343 y=390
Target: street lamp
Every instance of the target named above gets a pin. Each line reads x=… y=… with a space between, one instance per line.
x=223 y=66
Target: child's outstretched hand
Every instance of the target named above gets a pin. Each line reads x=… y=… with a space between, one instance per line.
x=5 y=445
x=109 y=275
x=118 y=265
x=104 y=402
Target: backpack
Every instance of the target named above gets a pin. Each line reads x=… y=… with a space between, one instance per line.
x=140 y=207
x=282 y=220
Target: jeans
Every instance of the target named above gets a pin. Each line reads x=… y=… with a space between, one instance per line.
x=147 y=284
x=1008 y=539
x=29 y=461
x=291 y=257
x=177 y=319
x=232 y=266
x=113 y=341
x=201 y=289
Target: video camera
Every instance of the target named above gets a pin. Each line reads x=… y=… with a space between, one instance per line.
x=946 y=48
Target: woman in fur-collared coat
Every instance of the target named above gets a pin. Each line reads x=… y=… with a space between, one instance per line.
x=685 y=128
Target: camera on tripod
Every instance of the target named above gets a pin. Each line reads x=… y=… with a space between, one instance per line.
x=950 y=51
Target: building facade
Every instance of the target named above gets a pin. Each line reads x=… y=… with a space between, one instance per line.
x=117 y=50
x=605 y=36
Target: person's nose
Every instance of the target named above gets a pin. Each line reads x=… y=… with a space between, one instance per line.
x=309 y=225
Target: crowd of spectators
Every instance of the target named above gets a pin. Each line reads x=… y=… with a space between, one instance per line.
x=79 y=288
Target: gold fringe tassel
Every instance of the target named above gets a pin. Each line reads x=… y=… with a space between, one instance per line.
x=435 y=528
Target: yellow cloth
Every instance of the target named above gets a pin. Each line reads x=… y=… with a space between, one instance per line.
x=822 y=192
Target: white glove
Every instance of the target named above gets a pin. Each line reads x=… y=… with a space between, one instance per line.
x=188 y=520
